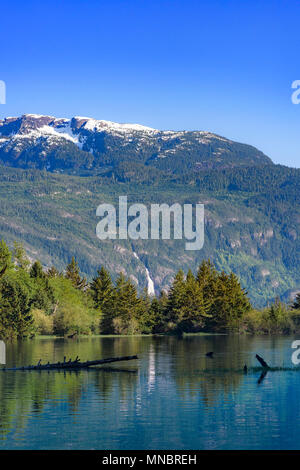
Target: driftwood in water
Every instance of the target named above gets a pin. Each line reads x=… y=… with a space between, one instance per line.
x=75 y=365
x=262 y=376
x=262 y=361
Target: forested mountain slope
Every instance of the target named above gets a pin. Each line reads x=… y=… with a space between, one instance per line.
x=251 y=222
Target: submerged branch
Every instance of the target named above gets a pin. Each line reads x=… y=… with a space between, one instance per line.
x=75 y=365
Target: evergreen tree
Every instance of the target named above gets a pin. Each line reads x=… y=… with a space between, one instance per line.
x=186 y=308
x=73 y=273
x=102 y=292
x=5 y=258
x=156 y=317
x=20 y=258
x=230 y=302
x=52 y=272
x=276 y=311
x=43 y=297
x=36 y=270
x=163 y=298
x=144 y=312
x=296 y=304
x=193 y=312
x=127 y=306
x=176 y=300
x=15 y=304
x=207 y=278
x=102 y=288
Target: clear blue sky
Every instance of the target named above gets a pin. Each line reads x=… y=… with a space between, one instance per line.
x=225 y=66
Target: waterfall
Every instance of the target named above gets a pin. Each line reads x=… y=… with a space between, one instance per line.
x=150 y=286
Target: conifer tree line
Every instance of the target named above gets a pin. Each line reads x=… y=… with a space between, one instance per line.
x=34 y=301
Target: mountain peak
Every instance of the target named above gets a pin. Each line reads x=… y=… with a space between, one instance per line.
x=98 y=125
x=84 y=143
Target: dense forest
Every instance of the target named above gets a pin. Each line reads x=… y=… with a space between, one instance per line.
x=34 y=301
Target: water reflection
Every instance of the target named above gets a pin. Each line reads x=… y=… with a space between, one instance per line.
x=174 y=396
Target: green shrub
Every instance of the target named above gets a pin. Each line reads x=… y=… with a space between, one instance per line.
x=43 y=324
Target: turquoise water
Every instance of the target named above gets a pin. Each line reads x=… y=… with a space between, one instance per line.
x=173 y=397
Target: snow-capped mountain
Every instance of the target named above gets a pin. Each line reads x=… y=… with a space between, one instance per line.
x=86 y=144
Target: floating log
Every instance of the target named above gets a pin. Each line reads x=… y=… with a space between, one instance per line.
x=72 y=336
x=262 y=361
x=72 y=364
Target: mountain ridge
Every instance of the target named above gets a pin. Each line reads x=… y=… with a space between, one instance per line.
x=50 y=189
x=81 y=144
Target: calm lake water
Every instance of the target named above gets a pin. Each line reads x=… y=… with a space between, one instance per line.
x=173 y=397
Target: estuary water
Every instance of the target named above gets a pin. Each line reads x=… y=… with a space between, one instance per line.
x=173 y=397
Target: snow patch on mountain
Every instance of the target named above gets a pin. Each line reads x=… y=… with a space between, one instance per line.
x=101 y=125
x=57 y=129
x=64 y=132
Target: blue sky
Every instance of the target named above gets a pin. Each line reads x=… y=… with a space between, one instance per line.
x=223 y=66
